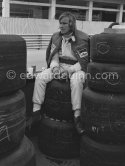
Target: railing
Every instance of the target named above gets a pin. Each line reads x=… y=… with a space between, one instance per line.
x=37 y=41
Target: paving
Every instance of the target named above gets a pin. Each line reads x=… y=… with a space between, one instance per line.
x=36 y=58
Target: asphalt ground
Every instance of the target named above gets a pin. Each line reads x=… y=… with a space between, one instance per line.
x=36 y=58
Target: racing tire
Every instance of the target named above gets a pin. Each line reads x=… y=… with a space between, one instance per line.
x=103 y=116
x=108 y=48
x=57 y=103
x=58 y=90
x=12 y=63
x=58 y=139
x=12 y=121
x=106 y=77
x=93 y=153
x=24 y=155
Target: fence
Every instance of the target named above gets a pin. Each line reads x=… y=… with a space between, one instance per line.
x=37 y=41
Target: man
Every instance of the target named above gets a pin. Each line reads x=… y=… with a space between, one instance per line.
x=66 y=55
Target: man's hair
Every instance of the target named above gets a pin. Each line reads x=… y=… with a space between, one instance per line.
x=72 y=20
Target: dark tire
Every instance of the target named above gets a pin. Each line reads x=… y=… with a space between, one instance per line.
x=12 y=63
x=106 y=77
x=108 y=48
x=12 y=121
x=94 y=154
x=57 y=104
x=24 y=155
x=58 y=110
x=58 y=90
x=58 y=139
x=104 y=116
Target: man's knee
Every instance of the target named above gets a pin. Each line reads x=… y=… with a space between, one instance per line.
x=77 y=78
x=45 y=76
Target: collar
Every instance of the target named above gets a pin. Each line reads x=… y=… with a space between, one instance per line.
x=71 y=38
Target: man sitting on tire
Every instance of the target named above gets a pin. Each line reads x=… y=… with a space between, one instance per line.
x=66 y=56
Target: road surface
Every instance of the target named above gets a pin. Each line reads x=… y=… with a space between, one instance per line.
x=36 y=58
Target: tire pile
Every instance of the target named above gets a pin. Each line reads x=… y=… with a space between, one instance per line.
x=103 y=104
x=57 y=136
x=15 y=148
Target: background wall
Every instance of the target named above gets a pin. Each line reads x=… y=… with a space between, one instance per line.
x=45 y=26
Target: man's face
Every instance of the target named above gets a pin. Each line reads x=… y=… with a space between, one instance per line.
x=64 y=26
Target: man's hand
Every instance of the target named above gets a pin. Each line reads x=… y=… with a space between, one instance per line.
x=56 y=72
x=64 y=74
x=55 y=69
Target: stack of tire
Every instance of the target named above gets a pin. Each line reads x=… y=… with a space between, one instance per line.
x=58 y=137
x=103 y=105
x=15 y=148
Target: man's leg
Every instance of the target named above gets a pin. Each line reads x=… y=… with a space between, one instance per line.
x=39 y=89
x=77 y=81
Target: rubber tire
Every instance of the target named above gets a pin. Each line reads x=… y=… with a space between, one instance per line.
x=103 y=115
x=94 y=153
x=57 y=103
x=58 y=90
x=58 y=139
x=106 y=80
x=12 y=121
x=12 y=63
x=58 y=110
x=107 y=48
x=24 y=155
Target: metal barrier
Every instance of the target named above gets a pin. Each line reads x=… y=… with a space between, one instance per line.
x=37 y=41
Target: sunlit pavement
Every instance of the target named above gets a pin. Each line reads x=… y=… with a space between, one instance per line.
x=36 y=58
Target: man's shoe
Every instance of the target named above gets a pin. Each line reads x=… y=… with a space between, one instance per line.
x=78 y=125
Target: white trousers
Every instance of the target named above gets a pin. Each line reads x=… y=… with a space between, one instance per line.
x=76 y=84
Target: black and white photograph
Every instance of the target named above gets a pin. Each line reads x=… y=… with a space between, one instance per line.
x=62 y=82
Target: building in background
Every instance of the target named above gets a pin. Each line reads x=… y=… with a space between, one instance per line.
x=84 y=10
x=36 y=20
x=41 y=16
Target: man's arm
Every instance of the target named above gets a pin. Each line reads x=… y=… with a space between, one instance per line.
x=55 y=61
x=74 y=68
x=82 y=53
x=48 y=50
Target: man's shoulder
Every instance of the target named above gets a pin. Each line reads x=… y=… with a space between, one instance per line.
x=82 y=35
x=56 y=34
